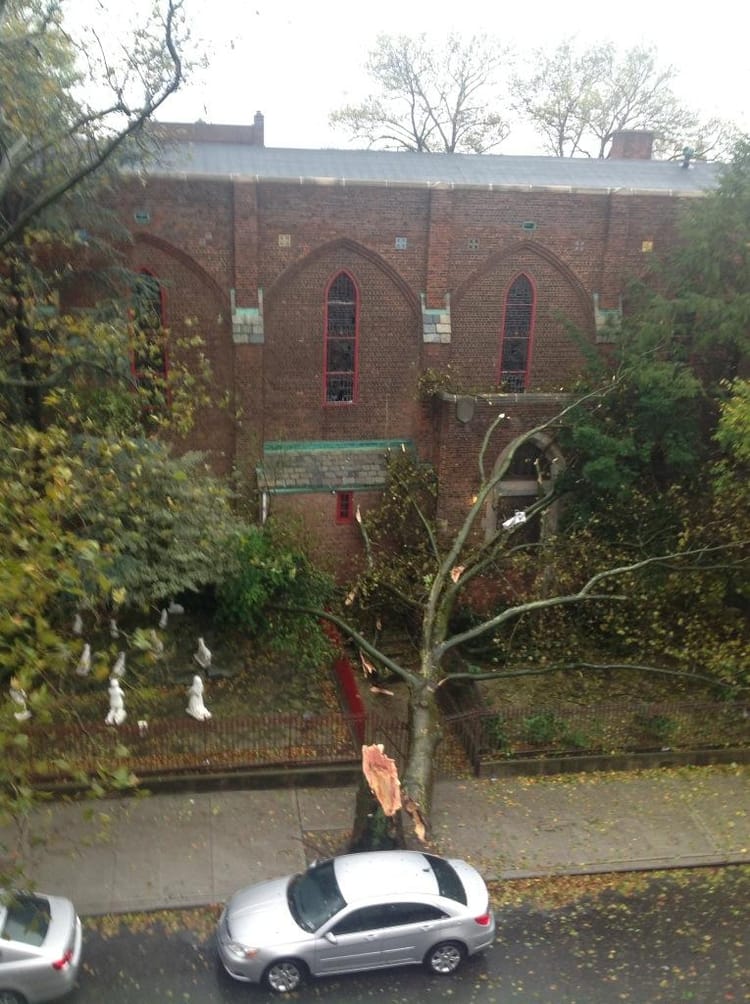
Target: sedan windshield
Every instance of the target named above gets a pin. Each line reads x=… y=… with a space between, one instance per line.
x=314 y=896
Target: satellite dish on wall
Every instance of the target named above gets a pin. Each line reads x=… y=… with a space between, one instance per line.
x=465 y=409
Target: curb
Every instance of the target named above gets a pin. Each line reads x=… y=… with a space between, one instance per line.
x=611 y=762
x=620 y=867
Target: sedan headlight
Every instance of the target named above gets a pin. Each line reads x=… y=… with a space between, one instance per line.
x=241 y=951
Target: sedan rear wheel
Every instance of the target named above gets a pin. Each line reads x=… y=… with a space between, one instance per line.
x=445 y=957
x=284 y=976
x=11 y=997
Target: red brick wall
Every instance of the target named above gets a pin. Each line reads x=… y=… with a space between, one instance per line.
x=337 y=547
x=389 y=355
x=478 y=313
x=207 y=237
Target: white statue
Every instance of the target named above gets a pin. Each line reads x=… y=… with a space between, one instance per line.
x=175 y=608
x=196 y=707
x=117 y=713
x=18 y=696
x=114 y=631
x=118 y=669
x=84 y=663
x=77 y=624
x=203 y=655
x=163 y=619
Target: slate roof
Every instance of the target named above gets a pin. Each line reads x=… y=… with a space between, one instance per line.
x=326 y=466
x=390 y=168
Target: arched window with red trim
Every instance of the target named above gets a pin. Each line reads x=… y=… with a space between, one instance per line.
x=341 y=336
x=517 y=336
x=150 y=359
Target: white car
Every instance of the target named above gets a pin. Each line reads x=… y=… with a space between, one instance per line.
x=353 y=913
x=40 y=947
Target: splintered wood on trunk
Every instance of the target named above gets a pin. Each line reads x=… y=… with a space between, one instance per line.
x=372 y=829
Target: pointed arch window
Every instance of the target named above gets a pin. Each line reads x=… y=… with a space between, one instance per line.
x=341 y=335
x=517 y=337
x=150 y=362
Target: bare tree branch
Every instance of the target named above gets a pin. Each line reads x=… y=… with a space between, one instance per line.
x=80 y=137
x=586 y=592
x=442 y=99
x=561 y=667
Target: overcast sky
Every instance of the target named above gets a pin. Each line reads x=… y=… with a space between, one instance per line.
x=297 y=60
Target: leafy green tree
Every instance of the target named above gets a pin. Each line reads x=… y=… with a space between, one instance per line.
x=733 y=430
x=272 y=572
x=95 y=525
x=658 y=464
x=92 y=513
x=60 y=148
x=430 y=98
x=163 y=524
x=699 y=311
x=648 y=435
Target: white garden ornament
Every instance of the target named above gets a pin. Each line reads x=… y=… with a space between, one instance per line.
x=84 y=663
x=202 y=655
x=196 y=708
x=117 y=713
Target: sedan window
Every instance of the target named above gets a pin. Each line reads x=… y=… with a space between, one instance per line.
x=449 y=884
x=314 y=896
x=373 y=918
x=413 y=913
x=368 y=918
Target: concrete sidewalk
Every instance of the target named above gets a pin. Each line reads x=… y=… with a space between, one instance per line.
x=182 y=849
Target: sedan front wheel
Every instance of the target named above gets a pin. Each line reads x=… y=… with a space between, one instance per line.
x=285 y=975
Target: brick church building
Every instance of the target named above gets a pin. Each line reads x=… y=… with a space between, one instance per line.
x=329 y=286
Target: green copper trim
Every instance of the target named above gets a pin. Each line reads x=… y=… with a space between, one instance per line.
x=314 y=445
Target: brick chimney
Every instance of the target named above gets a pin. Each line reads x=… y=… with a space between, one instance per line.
x=259 y=127
x=209 y=132
x=631 y=144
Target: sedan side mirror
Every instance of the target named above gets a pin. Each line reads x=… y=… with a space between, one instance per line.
x=330 y=936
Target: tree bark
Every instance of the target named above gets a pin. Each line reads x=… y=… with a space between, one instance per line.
x=425 y=733
x=32 y=396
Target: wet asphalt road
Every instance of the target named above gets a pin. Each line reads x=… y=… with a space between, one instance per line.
x=678 y=937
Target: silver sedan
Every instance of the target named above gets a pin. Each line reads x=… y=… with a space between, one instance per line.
x=40 y=947
x=353 y=913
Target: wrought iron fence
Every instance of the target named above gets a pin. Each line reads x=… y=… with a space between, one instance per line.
x=174 y=746
x=186 y=745
x=621 y=727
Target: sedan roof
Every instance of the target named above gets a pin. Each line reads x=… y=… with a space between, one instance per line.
x=384 y=873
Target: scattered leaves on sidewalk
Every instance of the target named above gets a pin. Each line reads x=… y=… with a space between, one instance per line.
x=200 y=921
